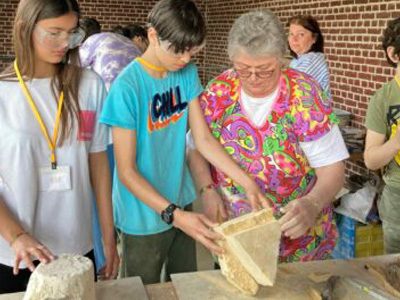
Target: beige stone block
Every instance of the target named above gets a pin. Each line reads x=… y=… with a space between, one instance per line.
x=252 y=249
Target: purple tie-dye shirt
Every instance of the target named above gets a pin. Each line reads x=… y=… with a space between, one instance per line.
x=108 y=54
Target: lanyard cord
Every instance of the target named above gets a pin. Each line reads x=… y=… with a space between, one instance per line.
x=150 y=65
x=51 y=143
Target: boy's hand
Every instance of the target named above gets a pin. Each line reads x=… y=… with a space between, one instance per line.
x=110 y=270
x=198 y=227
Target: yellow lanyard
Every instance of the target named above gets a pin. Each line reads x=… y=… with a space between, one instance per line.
x=397 y=80
x=52 y=143
x=150 y=65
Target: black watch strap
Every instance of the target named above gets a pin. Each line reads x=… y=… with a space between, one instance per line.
x=167 y=215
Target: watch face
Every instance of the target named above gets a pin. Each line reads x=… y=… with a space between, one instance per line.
x=167 y=217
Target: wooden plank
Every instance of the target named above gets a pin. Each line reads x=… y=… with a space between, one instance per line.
x=130 y=288
x=294 y=281
x=161 y=291
x=297 y=282
x=122 y=289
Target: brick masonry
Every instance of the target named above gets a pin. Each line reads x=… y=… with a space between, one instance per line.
x=352 y=30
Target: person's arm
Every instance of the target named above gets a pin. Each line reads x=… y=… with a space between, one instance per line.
x=301 y=214
x=379 y=153
x=24 y=245
x=212 y=150
x=86 y=54
x=213 y=206
x=101 y=182
x=193 y=224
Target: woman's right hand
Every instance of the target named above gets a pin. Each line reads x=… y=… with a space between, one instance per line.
x=198 y=227
x=213 y=206
x=26 y=247
x=256 y=198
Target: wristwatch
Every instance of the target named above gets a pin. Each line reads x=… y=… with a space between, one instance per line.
x=167 y=215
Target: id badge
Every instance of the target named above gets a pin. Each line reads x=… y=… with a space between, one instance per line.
x=55 y=179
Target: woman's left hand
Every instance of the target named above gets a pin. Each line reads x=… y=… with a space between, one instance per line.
x=299 y=216
x=110 y=270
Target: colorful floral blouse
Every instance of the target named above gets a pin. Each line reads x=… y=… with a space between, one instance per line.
x=271 y=153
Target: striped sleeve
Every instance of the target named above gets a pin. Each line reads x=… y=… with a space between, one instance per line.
x=315 y=65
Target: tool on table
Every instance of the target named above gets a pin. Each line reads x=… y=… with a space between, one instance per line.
x=379 y=275
x=327 y=292
x=368 y=289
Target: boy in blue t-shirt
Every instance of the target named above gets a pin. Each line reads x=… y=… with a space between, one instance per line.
x=149 y=108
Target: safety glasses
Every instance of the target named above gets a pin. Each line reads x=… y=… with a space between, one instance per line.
x=57 y=38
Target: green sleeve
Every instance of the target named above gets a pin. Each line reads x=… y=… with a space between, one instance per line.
x=376 y=113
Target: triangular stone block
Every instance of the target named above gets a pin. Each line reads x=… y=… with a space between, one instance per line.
x=258 y=249
x=253 y=240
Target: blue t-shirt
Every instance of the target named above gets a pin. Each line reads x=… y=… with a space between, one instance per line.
x=157 y=110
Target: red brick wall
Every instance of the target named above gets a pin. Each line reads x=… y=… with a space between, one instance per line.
x=7 y=13
x=352 y=30
x=122 y=12
x=108 y=12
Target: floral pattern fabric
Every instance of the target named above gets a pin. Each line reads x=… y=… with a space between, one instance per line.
x=271 y=153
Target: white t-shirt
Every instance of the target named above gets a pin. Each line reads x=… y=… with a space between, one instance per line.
x=258 y=109
x=325 y=151
x=61 y=220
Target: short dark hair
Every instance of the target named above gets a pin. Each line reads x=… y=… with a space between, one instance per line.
x=90 y=26
x=120 y=30
x=134 y=30
x=311 y=24
x=180 y=22
x=391 y=38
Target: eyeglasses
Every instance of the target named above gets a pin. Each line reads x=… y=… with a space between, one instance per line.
x=262 y=74
x=166 y=46
x=58 y=38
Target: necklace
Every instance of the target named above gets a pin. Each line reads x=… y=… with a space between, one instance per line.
x=150 y=65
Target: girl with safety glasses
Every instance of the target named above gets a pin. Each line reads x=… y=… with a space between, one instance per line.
x=52 y=149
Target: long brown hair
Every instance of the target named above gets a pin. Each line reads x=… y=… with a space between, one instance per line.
x=68 y=72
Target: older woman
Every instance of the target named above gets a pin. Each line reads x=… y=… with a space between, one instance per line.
x=306 y=45
x=278 y=126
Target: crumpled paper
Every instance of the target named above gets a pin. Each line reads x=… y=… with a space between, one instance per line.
x=357 y=205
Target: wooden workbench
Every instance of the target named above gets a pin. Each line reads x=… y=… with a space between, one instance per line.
x=294 y=281
x=296 y=276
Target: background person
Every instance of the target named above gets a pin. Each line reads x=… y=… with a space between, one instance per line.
x=382 y=143
x=138 y=35
x=306 y=45
x=108 y=53
x=90 y=26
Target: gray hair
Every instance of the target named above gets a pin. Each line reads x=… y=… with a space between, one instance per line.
x=257 y=33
